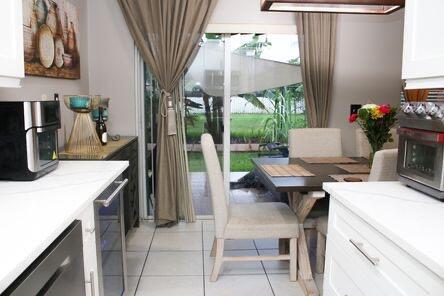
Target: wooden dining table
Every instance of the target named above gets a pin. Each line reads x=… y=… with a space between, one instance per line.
x=303 y=192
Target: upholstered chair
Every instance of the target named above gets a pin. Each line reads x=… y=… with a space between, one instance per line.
x=383 y=169
x=363 y=147
x=384 y=166
x=246 y=221
x=314 y=142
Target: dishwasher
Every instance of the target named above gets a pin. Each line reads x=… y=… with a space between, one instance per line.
x=110 y=239
x=57 y=271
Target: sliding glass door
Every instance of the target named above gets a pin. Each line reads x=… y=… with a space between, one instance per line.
x=204 y=103
x=266 y=101
x=245 y=90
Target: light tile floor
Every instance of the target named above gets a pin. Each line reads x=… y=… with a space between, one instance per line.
x=176 y=261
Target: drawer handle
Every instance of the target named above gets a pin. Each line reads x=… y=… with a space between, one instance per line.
x=358 y=246
x=108 y=201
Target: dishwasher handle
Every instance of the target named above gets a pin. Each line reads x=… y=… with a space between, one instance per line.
x=113 y=195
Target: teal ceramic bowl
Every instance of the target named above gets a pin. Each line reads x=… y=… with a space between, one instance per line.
x=81 y=103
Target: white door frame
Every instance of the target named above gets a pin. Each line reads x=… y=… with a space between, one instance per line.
x=139 y=85
x=227 y=113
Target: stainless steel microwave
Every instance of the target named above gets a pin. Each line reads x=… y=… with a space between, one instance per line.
x=28 y=139
x=420 y=160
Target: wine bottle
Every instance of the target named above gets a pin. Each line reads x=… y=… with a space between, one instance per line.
x=101 y=128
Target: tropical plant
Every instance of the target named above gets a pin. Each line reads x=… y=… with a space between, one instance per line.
x=283 y=118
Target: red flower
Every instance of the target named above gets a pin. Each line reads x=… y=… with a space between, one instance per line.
x=353 y=118
x=384 y=109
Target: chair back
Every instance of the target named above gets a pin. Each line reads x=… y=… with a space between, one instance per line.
x=384 y=166
x=363 y=147
x=315 y=142
x=214 y=173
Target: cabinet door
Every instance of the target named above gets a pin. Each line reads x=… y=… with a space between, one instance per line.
x=423 y=57
x=90 y=252
x=11 y=43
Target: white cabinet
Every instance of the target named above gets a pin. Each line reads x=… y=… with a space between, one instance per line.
x=423 y=57
x=362 y=261
x=11 y=43
x=90 y=252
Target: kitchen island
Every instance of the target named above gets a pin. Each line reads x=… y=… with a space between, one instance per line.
x=33 y=214
x=383 y=238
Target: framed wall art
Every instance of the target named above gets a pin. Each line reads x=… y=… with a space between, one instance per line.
x=51 y=38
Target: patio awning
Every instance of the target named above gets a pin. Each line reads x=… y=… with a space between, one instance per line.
x=248 y=73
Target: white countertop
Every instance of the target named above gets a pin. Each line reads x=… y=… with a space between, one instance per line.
x=410 y=219
x=33 y=214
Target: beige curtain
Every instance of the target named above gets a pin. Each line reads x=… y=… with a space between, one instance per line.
x=167 y=34
x=317 y=42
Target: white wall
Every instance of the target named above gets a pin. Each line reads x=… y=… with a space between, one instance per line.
x=34 y=87
x=368 y=67
x=111 y=64
x=107 y=68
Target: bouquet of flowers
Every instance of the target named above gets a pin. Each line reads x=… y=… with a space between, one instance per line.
x=376 y=122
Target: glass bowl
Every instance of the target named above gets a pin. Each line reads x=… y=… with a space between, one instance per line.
x=81 y=103
x=104 y=103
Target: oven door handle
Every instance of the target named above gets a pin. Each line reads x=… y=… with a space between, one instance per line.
x=113 y=195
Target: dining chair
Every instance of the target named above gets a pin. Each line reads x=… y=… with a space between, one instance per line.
x=363 y=147
x=383 y=169
x=384 y=166
x=315 y=142
x=246 y=221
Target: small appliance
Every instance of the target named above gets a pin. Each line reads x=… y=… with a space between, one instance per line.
x=28 y=139
x=110 y=239
x=421 y=145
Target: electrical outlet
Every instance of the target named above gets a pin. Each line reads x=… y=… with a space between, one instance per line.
x=354 y=108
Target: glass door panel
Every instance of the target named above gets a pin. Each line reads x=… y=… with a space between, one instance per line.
x=204 y=97
x=151 y=100
x=266 y=101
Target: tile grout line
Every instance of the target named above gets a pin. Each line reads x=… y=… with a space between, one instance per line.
x=265 y=270
x=146 y=259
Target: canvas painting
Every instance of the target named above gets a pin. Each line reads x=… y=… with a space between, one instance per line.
x=51 y=38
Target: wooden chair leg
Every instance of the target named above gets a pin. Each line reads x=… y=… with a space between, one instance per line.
x=218 y=260
x=320 y=253
x=213 y=248
x=293 y=259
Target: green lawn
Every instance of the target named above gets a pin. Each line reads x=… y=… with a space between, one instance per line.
x=240 y=161
x=244 y=127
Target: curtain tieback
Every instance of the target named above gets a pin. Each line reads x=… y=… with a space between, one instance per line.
x=170 y=114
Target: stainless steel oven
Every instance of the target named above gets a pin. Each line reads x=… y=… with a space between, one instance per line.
x=57 y=271
x=421 y=147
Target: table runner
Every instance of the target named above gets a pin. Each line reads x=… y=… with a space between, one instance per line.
x=286 y=170
x=355 y=168
x=333 y=160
